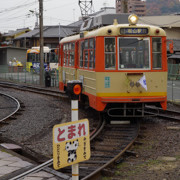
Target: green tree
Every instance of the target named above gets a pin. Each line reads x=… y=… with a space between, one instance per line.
x=160 y=7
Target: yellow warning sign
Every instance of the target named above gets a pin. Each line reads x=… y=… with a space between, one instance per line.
x=71 y=143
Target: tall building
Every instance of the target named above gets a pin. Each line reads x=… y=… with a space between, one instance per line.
x=137 y=7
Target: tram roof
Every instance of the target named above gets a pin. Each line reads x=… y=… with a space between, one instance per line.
x=103 y=31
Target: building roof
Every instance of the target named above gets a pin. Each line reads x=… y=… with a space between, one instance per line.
x=76 y=23
x=161 y=21
x=12 y=33
x=12 y=47
x=50 y=32
x=174 y=56
x=54 y=31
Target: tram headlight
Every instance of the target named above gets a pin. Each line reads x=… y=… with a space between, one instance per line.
x=133 y=19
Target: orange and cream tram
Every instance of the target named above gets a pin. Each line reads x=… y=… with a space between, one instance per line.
x=121 y=66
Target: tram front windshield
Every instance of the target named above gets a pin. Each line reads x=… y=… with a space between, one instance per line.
x=33 y=57
x=134 y=53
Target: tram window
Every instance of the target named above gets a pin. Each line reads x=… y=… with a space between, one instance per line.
x=68 y=50
x=91 y=54
x=53 y=56
x=47 y=57
x=91 y=58
x=81 y=54
x=67 y=54
x=86 y=46
x=71 y=54
x=64 y=54
x=157 y=52
x=31 y=57
x=134 y=53
x=87 y=54
x=85 y=58
x=110 y=58
x=91 y=43
x=37 y=59
x=86 y=42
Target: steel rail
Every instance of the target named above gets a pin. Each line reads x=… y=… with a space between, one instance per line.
x=50 y=162
x=113 y=159
x=39 y=90
x=163 y=113
x=17 y=108
x=99 y=128
x=47 y=163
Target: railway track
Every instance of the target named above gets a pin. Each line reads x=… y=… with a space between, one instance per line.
x=13 y=108
x=168 y=114
x=39 y=90
x=108 y=147
x=50 y=162
x=108 y=143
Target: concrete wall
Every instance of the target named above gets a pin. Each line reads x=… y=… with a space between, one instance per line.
x=9 y=53
x=19 y=54
x=3 y=56
x=172 y=33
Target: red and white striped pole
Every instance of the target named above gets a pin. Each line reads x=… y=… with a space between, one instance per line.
x=74 y=117
x=74 y=89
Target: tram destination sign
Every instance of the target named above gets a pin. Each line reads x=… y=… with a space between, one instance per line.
x=132 y=31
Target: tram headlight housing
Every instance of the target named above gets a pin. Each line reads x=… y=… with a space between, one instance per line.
x=133 y=19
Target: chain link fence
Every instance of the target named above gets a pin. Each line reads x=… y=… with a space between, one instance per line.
x=173 y=71
x=173 y=85
x=23 y=75
x=28 y=76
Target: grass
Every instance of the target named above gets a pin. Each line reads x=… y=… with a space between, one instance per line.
x=106 y=178
x=153 y=162
x=125 y=169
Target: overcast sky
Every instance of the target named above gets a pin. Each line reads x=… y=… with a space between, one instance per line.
x=15 y=14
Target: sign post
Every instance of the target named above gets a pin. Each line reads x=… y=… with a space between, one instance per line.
x=71 y=142
x=74 y=90
x=74 y=117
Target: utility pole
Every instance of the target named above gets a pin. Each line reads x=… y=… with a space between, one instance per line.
x=34 y=12
x=41 y=42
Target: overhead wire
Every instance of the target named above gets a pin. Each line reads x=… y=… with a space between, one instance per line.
x=61 y=6
x=7 y=15
x=16 y=7
x=15 y=13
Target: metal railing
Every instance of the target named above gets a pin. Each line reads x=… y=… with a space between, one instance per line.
x=173 y=71
x=31 y=76
x=173 y=87
x=28 y=76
